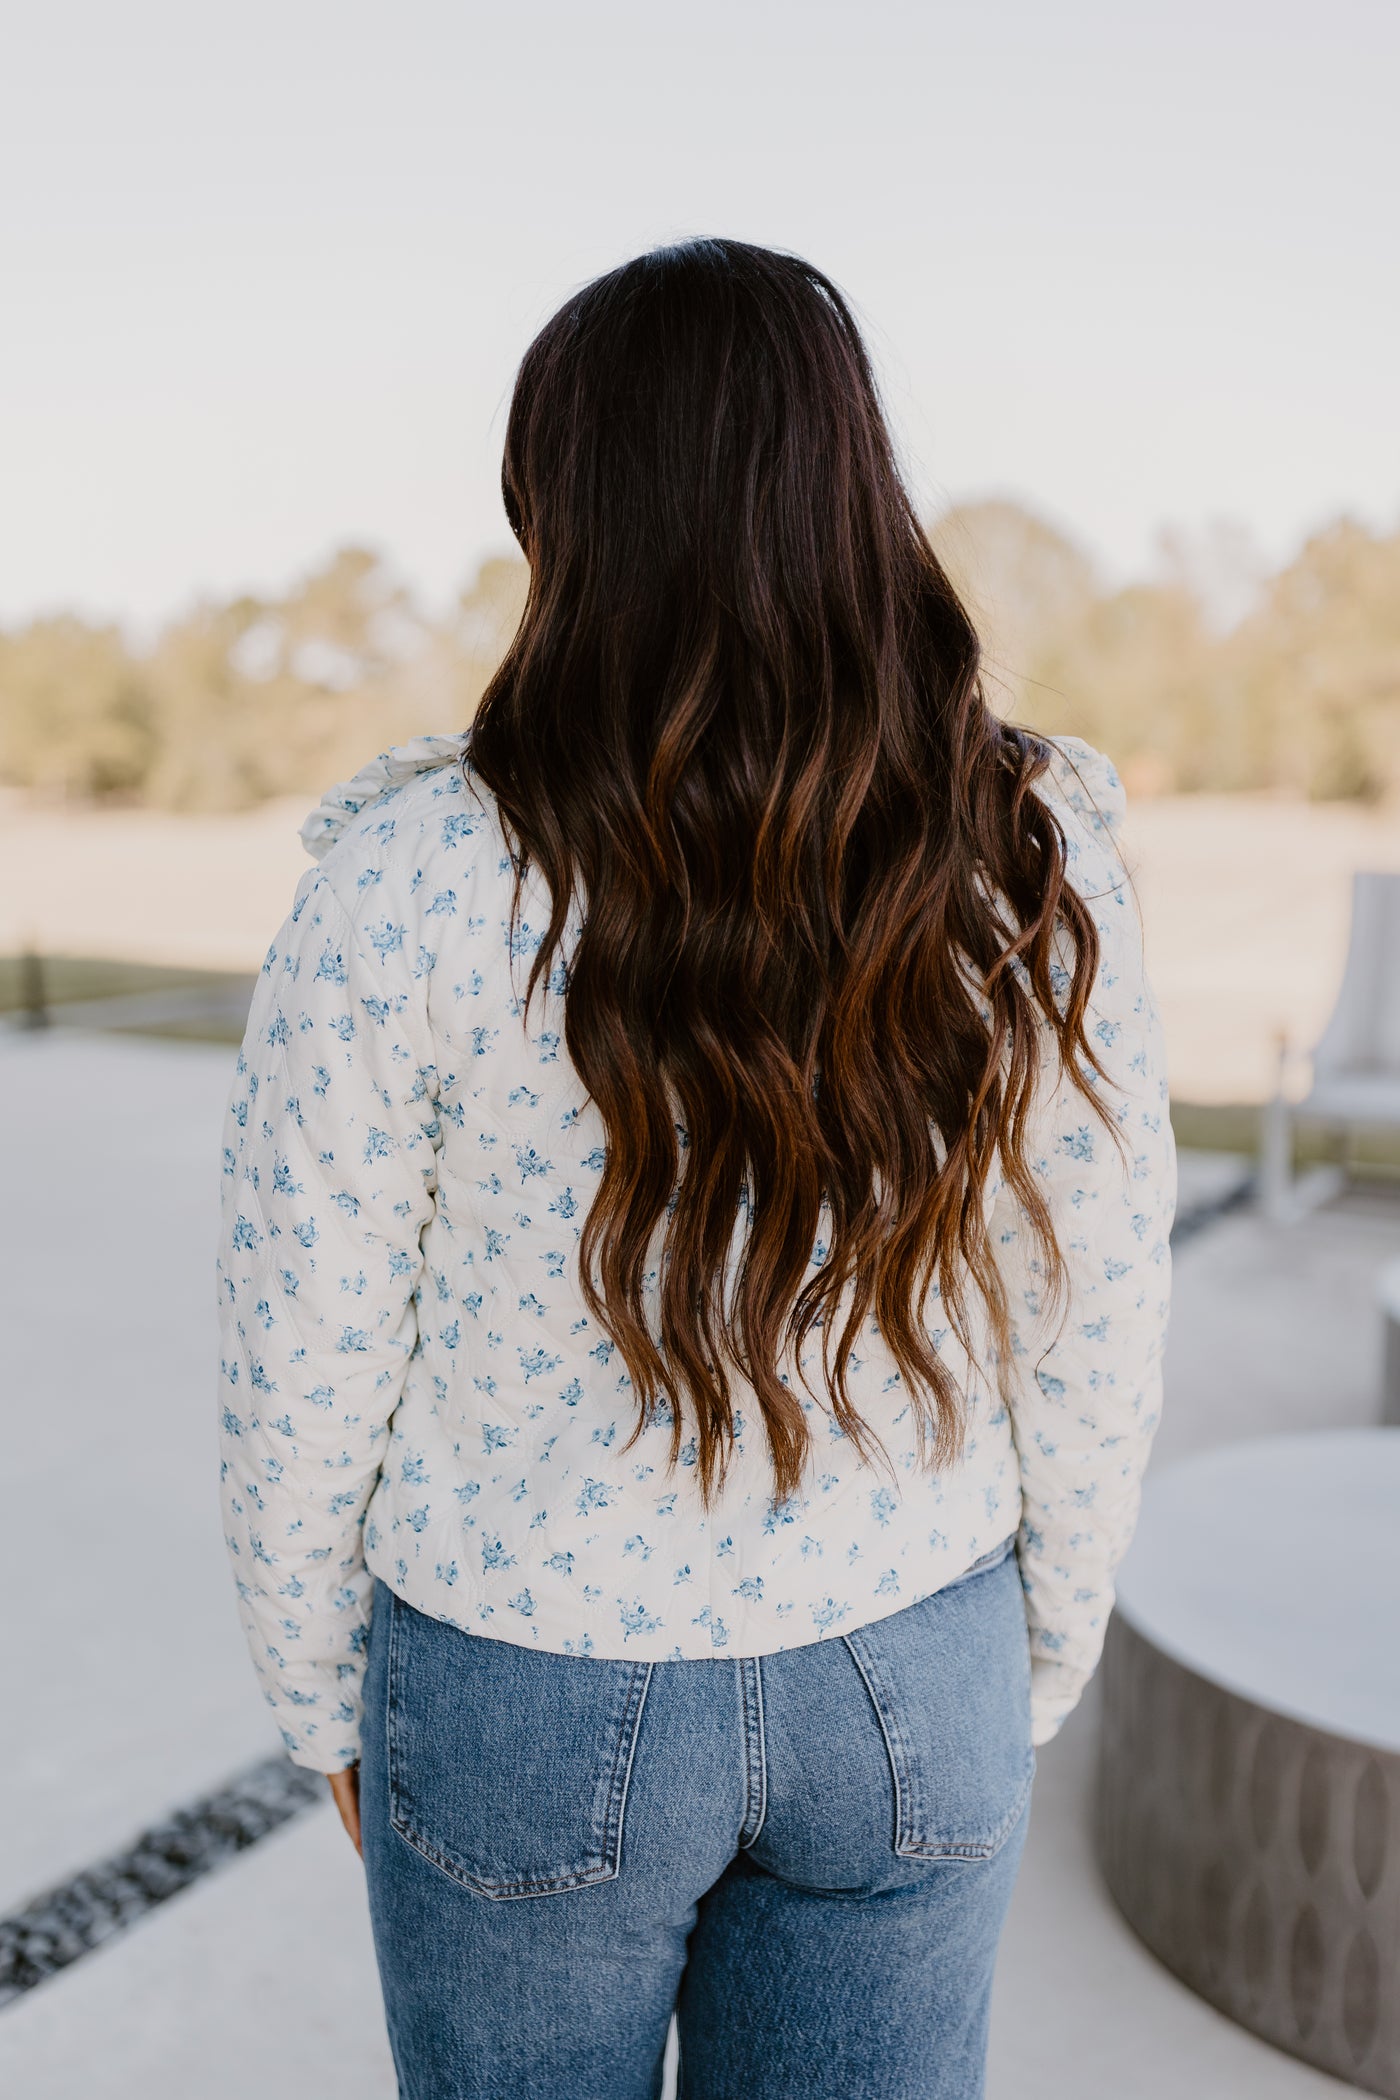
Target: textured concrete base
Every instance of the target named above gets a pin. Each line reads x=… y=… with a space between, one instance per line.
x=1388 y=1304
x=1259 y=1858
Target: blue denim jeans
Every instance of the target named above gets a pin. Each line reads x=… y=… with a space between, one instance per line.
x=806 y=1857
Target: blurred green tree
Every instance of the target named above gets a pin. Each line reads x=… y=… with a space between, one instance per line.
x=238 y=701
x=78 y=716
x=1210 y=676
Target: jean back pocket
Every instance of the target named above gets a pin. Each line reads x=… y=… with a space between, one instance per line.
x=508 y=1768
x=949 y=1679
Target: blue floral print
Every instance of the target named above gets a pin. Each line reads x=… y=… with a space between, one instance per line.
x=410 y=1383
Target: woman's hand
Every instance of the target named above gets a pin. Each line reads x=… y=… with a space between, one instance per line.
x=345 y=1788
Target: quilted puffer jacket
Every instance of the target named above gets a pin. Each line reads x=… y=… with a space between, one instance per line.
x=411 y=1385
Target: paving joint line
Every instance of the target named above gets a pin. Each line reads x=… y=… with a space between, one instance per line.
x=57 y=1928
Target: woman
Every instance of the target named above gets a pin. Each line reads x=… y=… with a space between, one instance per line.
x=694 y=1263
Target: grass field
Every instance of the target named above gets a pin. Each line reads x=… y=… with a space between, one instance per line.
x=206 y=1006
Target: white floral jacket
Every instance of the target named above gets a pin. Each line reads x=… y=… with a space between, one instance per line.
x=410 y=1384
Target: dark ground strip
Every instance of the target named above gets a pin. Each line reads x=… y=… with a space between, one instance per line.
x=67 y=1922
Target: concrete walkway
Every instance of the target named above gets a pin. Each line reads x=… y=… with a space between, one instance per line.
x=130 y=1693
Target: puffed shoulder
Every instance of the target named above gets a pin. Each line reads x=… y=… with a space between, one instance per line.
x=383 y=776
x=1087 y=782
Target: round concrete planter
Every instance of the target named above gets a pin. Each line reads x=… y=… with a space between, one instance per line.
x=1388 y=1295
x=1249 y=1797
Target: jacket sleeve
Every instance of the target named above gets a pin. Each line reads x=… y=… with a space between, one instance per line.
x=329 y=1167
x=1086 y=1381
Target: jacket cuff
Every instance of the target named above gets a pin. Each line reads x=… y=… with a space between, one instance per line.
x=1056 y=1690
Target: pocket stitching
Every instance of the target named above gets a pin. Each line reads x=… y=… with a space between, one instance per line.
x=906 y=1844
x=889 y=1729
x=638 y=1685
x=609 y=1853
x=987 y=1848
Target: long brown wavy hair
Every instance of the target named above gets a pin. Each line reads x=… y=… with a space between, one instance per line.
x=742 y=724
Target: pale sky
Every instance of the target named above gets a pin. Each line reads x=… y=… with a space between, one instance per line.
x=267 y=270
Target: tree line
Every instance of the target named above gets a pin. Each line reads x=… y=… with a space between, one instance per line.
x=239 y=700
